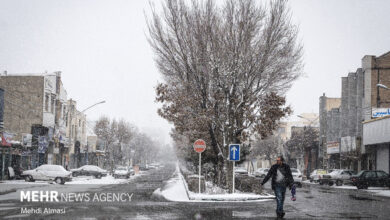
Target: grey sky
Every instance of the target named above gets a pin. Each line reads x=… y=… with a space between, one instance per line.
x=101 y=49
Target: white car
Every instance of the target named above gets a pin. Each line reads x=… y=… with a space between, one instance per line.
x=261 y=172
x=240 y=170
x=47 y=172
x=339 y=177
x=122 y=172
x=316 y=175
x=297 y=175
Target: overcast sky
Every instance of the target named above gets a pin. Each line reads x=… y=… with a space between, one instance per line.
x=101 y=49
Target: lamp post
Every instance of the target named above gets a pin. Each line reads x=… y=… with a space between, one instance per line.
x=101 y=102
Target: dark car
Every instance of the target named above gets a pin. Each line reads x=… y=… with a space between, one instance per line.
x=89 y=170
x=366 y=178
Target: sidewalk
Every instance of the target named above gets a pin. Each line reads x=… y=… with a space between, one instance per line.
x=176 y=189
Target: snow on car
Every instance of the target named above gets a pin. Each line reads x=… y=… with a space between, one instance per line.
x=316 y=175
x=240 y=170
x=261 y=172
x=89 y=170
x=47 y=172
x=297 y=175
x=339 y=177
x=122 y=172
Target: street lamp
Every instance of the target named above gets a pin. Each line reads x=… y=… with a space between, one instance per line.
x=378 y=99
x=101 y=102
x=93 y=106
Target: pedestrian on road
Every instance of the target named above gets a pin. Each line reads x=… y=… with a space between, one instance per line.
x=281 y=179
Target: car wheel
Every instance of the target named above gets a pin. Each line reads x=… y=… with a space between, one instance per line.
x=311 y=180
x=29 y=178
x=74 y=174
x=98 y=176
x=361 y=186
x=330 y=183
x=321 y=183
x=59 y=180
x=339 y=183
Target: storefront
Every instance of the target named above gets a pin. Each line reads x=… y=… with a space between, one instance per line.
x=376 y=139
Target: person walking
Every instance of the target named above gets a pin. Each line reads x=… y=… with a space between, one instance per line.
x=281 y=179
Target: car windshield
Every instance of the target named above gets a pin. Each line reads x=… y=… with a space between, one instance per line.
x=360 y=173
x=121 y=168
x=335 y=172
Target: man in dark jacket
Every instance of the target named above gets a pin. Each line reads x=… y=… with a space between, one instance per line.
x=281 y=178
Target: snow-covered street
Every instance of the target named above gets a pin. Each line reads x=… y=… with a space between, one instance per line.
x=313 y=200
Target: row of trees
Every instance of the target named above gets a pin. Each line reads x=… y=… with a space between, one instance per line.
x=124 y=142
x=226 y=69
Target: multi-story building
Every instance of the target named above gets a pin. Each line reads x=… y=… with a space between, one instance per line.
x=341 y=127
x=77 y=135
x=376 y=110
x=31 y=103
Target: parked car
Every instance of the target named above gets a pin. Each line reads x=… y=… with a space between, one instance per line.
x=143 y=167
x=261 y=172
x=47 y=172
x=240 y=170
x=297 y=175
x=131 y=170
x=316 y=175
x=120 y=172
x=89 y=170
x=366 y=178
x=338 y=177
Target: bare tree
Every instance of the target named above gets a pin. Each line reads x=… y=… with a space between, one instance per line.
x=267 y=148
x=221 y=65
x=302 y=140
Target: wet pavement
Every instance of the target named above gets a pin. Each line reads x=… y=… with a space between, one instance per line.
x=313 y=202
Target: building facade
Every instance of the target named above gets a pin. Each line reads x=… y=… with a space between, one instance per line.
x=341 y=120
x=33 y=118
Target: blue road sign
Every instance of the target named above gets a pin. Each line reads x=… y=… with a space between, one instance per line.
x=234 y=152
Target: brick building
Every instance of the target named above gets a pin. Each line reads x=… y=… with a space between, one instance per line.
x=341 y=120
x=34 y=107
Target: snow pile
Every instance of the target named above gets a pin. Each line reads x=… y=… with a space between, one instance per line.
x=176 y=189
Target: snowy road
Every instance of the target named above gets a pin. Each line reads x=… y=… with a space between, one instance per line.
x=314 y=201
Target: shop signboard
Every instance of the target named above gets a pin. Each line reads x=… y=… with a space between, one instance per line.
x=333 y=147
x=380 y=112
x=27 y=140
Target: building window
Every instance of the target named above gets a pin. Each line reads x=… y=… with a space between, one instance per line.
x=53 y=101
x=47 y=98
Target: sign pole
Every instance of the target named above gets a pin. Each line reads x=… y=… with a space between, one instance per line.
x=234 y=163
x=199 y=147
x=200 y=160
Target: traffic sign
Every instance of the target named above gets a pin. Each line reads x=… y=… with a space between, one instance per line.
x=234 y=152
x=199 y=145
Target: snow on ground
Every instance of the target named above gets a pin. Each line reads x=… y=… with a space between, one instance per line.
x=379 y=191
x=176 y=189
x=10 y=189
